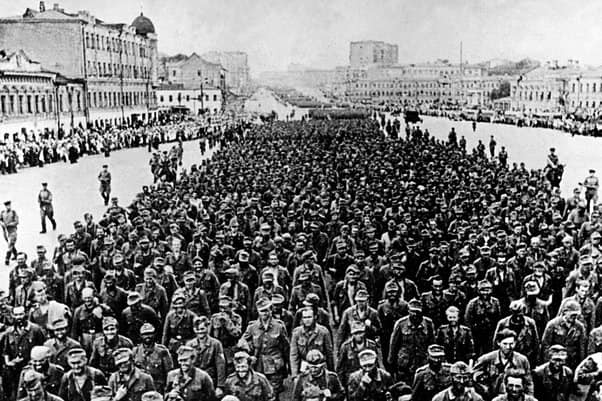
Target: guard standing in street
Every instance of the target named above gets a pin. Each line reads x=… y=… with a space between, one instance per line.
x=9 y=220
x=105 y=183
x=46 y=209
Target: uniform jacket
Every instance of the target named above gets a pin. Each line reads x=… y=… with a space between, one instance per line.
x=70 y=391
x=269 y=345
x=369 y=318
x=548 y=387
x=348 y=359
x=209 y=356
x=197 y=386
x=137 y=384
x=156 y=361
x=459 y=346
x=489 y=372
x=409 y=342
x=306 y=386
x=427 y=382
x=302 y=342
x=259 y=388
x=375 y=391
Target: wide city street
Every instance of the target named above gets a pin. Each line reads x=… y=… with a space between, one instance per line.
x=75 y=191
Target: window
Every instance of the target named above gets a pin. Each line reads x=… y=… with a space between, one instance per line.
x=594 y=87
x=161 y=99
x=188 y=98
x=3 y=104
x=170 y=98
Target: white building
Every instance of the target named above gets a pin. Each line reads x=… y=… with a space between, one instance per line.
x=177 y=97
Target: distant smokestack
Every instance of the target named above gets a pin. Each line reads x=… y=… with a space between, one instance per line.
x=42 y=7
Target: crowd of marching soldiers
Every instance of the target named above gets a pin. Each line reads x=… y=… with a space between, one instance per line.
x=317 y=261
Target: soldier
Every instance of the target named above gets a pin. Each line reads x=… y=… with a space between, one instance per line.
x=515 y=384
x=370 y=382
x=554 y=380
x=300 y=291
x=280 y=313
x=209 y=354
x=34 y=389
x=433 y=377
x=196 y=299
x=39 y=362
x=111 y=294
x=267 y=289
x=151 y=357
x=188 y=381
x=104 y=177
x=226 y=327
x=317 y=381
x=247 y=384
x=46 y=209
x=88 y=319
x=455 y=338
x=568 y=331
x=60 y=344
x=268 y=341
x=104 y=345
x=135 y=315
x=527 y=342
x=460 y=382
x=308 y=337
x=534 y=307
x=390 y=310
x=360 y=312
x=313 y=301
x=482 y=314
x=348 y=357
x=78 y=382
x=411 y=337
x=128 y=383
x=490 y=368
x=207 y=281
x=9 y=220
x=153 y=294
x=238 y=291
x=178 y=327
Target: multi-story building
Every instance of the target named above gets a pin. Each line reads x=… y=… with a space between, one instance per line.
x=192 y=72
x=176 y=96
x=117 y=63
x=33 y=99
x=236 y=67
x=367 y=52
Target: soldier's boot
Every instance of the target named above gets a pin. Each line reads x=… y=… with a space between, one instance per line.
x=7 y=259
x=43 y=225
x=53 y=221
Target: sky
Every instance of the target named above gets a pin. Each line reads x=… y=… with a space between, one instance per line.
x=316 y=33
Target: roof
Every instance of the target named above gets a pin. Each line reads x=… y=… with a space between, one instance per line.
x=143 y=25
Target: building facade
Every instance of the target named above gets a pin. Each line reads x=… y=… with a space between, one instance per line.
x=174 y=96
x=32 y=99
x=117 y=63
x=192 y=72
x=367 y=52
x=236 y=65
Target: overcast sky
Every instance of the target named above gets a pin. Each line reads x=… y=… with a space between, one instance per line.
x=317 y=33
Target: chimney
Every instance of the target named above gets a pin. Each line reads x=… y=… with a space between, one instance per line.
x=42 y=7
x=55 y=7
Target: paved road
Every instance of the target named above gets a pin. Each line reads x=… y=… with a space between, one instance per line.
x=75 y=191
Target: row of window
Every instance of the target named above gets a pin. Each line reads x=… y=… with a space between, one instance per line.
x=407 y=94
x=422 y=85
x=113 y=70
x=116 y=99
x=115 y=45
x=37 y=104
x=180 y=98
x=586 y=86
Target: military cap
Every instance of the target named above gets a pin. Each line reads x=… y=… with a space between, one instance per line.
x=39 y=352
x=571 y=306
x=18 y=309
x=225 y=300
x=7 y=202
x=133 y=298
x=303 y=275
x=392 y=286
x=357 y=327
x=151 y=396
x=265 y=226
x=415 y=304
x=459 y=368
x=76 y=354
x=243 y=256
x=122 y=355
x=147 y=328
x=230 y=398
x=144 y=239
x=267 y=276
x=231 y=272
x=516 y=306
x=596 y=234
x=586 y=260
x=352 y=268
x=483 y=284
x=178 y=299
x=108 y=321
x=278 y=299
x=436 y=350
x=263 y=303
x=361 y=295
x=108 y=241
x=554 y=349
x=241 y=355
x=110 y=275
x=197 y=259
x=315 y=357
x=185 y=351
x=31 y=379
x=307 y=255
x=311 y=299
x=25 y=272
x=189 y=277
x=40 y=248
x=58 y=324
x=101 y=393
x=117 y=258
x=159 y=260
x=367 y=357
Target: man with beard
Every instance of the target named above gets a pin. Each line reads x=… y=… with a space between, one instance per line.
x=209 y=354
x=128 y=383
x=152 y=358
x=60 y=345
x=188 y=381
x=482 y=314
x=317 y=381
x=39 y=362
x=432 y=377
x=411 y=337
x=568 y=331
x=370 y=382
x=456 y=339
x=554 y=380
x=527 y=340
x=490 y=368
x=460 y=385
x=534 y=307
x=78 y=382
x=516 y=386
x=308 y=337
x=152 y=293
x=15 y=346
x=245 y=383
x=88 y=319
x=390 y=310
x=103 y=346
x=34 y=389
